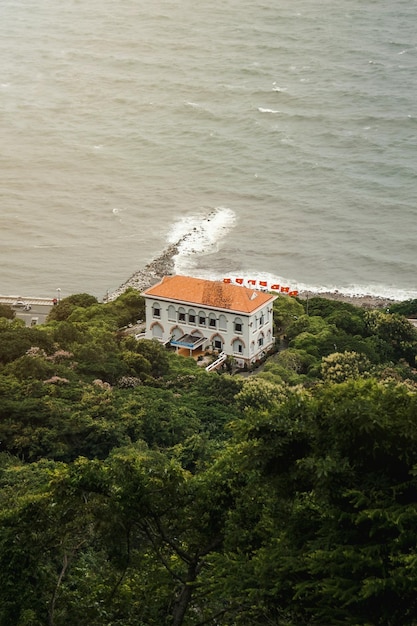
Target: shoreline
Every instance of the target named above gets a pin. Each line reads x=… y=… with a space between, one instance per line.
x=365 y=301
x=153 y=272
x=164 y=265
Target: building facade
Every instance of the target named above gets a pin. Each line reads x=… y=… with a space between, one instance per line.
x=195 y=313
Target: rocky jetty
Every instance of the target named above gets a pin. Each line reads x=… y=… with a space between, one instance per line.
x=153 y=272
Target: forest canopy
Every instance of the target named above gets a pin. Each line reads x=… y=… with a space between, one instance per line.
x=137 y=489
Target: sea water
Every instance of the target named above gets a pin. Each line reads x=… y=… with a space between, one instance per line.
x=278 y=137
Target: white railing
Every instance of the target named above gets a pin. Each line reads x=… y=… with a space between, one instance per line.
x=220 y=359
x=29 y=300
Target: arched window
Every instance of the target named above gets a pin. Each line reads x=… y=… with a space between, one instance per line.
x=172 y=314
x=156 y=310
x=191 y=317
x=222 y=322
x=261 y=340
x=176 y=332
x=157 y=331
x=201 y=318
x=181 y=314
x=212 y=320
x=238 y=346
x=238 y=325
x=217 y=342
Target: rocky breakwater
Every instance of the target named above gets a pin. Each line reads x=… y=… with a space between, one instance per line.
x=163 y=265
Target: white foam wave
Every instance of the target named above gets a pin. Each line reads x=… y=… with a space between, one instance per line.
x=276 y=88
x=386 y=292
x=262 y=110
x=254 y=280
x=358 y=291
x=199 y=234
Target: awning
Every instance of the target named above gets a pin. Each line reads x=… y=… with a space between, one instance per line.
x=188 y=341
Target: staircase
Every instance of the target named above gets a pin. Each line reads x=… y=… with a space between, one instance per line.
x=219 y=361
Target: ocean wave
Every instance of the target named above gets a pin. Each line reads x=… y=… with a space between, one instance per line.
x=329 y=175
x=262 y=281
x=202 y=109
x=262 y=110
x=275 y=87
x=199 y=234
x=359 y=291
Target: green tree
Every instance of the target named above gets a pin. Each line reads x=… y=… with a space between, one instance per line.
x=396 y=332
x=67 y=334
x=66 y=306
x=285 y=310
x=130 y=306
x=99 y=356
x=407 y=308
x=155 y=354
x=341 y=366
x=6 y=311
x=31 y=366
x=258 y=393
x=38 y=541
x=313 y=325
x=317 y=344
x=16 y=340
x=333 y=541
x=290 y=366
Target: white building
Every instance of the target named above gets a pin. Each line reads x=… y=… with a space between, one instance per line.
x=196 y=313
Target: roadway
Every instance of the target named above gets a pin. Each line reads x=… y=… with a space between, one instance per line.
x=38 y=312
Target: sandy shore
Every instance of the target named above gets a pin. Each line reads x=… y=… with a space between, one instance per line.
x=164 y=265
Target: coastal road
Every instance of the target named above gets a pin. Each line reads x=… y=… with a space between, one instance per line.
x=38 y=312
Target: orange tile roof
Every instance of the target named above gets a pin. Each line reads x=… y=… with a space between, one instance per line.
x=209 y=293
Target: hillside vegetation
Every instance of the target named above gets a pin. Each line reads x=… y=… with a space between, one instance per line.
x=136 y=489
